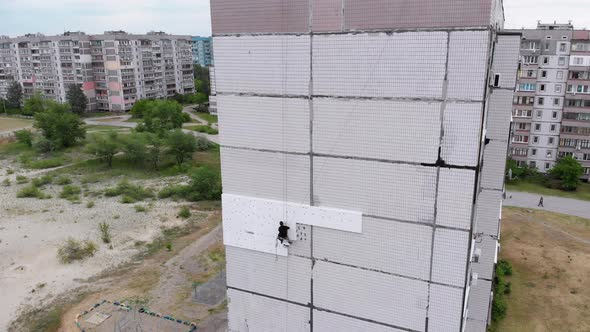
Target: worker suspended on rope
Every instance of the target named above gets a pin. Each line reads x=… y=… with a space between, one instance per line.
x=283 y=234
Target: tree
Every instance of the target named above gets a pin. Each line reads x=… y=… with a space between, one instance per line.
x=14 y=95
x=160 y=116
x=134 y=146
x=205 y=184
x=202 y=82
x=35 y=104
x=568 y=170
x=155 y=150
x=59 y=125
x=181 y=145
x=76 y=98
x=105 y=146
x=139 y=108
x=25 y=137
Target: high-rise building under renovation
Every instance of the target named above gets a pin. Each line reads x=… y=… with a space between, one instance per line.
x=551 y=108
x=378 y=132
x=203 y=51
x=114 y=69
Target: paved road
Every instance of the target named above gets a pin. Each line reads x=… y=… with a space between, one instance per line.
x=569 y=206
x=119 y=121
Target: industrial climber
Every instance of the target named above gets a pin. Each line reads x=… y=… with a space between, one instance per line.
x=283 y=234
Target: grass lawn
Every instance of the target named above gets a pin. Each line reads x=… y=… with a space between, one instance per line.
x=105 y=128
x=207 y=117
x=203 y=129
x=14 y=123
x=583 y=192
x=551 y=267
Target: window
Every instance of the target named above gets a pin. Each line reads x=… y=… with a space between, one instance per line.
x=562 y=47
x=540 y=100
x=586 y=156
x=551 y=140
x=520 y=139
x=547 y=45
x=533 y=164
x=557 y=90
x=530 y=45
x=543 y=73
x=527 y=87
x=536 y=139
x=530 y=74
x=547 y=165
x=553 y=127
x=549 y=154
x=531 y=59
x=554 y=115
x=537 y=127
x=522 y=113
x=561 y=61
x=534 y=152
x=559 y=75
x=497 y=80
x=587 y=170
x=521 y=126
x=570 y=88
x=568 y=142
x=546 y=60
x=556 y=101
x=585 y=144
x=542 y=87
x=539 y=114
x=578 y=61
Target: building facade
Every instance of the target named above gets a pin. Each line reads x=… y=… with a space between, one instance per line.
x=203 y=51
x=378 y=132
x=114 y=69
x=549 y=104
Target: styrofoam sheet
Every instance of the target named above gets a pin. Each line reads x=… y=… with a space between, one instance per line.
x=462 y=133
x=455 y=198
x=468 y=64
x=277 y=64
x=398 y=191
x=394 y=247
x=410 y=64
x=248 y=313
x=446 y=309
x=370 y=295
x=280 y=124
x=269 y=175
x=325 y=321
x=380 y=129
x=449 y=262
x=252 y=223
x=283 y=277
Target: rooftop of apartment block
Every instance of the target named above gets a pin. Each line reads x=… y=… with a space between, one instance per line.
x=107 y=35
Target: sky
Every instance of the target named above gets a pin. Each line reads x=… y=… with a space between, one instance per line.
x=192 y=17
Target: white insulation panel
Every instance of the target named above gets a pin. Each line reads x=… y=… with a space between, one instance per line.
x=278 y=176
x=462 y=133
x=249 y=313
x=468 y=58
x=380 y=129
x=325 y=321
x=262 y=64
x=455 y=198
x=283 y=277
x=376 y=188
x=280 y=124
x=394 y=247
x=371 y=295
x=252 y=223
x=410 y=64
x=449 y=262
x=446 y=308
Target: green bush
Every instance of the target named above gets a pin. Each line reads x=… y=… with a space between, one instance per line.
x=105 y=232
x=184 y=212
x=6 y=183
x=42 y=144
x=21 y=179
x=498 y=307
x=504 y=268
x=42 y=181
x=205 y=185
x=46 y=163
x=31 y=192
x=140 y=208
x=73 y=250
x=205 y=129
x=568 y=171
x=25 y=137
x=90 y=204
x=63 y=180
x=131 y=193
x=176 y=191
x=501 y=289
x=9 y=171
x=71 y=193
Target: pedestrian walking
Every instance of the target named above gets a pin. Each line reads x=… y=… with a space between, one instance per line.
x=540 y=202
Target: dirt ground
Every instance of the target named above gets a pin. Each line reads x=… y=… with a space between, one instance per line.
x=550 y=255
x=8 y=124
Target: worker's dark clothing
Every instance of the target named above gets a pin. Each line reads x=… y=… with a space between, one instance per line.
x=283 y=232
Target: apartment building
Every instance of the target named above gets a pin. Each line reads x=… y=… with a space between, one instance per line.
x=548 y=111
x=114 y=69
x=203 y=51
x=391 y=183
